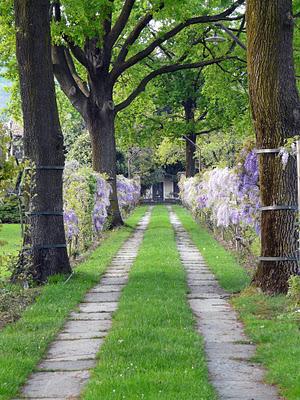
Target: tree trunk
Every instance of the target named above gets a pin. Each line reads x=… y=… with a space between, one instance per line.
x=275 y=110
x=190 y=151
x=101 y=126
x=43 y=140
x=191 y=138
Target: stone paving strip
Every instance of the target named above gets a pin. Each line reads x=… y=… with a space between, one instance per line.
x=65 y=369
x=228 y=349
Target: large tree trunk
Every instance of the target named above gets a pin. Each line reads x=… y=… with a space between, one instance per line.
x=275 y=109
x=190 y=147
x=101 y=126
x=43 y=140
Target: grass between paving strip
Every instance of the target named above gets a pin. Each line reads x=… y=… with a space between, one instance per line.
x=23 y=343
x=268 y=320
x=153 y=350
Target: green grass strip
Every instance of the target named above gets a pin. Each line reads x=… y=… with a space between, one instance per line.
x=23 y=344
x=153 y=350
x=268 y=320
x=231 y=276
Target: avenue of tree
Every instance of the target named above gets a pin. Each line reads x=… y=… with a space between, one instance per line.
x=104 y=56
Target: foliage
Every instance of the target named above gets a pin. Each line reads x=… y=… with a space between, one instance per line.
x=9 y=210
x=81 y=150
x=170 y=152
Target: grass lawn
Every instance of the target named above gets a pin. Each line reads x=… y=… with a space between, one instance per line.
x=10 y=241
x=153 y=350
x=10 y=238
x=23 y=344
x=267 y=319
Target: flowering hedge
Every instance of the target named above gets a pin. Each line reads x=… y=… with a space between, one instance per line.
x=86 y=203
x=129 y=192
x=228 y=198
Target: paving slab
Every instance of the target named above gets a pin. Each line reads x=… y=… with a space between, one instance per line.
x=65 y=369
x=62 y=384
x=89 y=325
x=102 y=297
x=229 y=351
x=69 y=350
x=98 y=307
x=114 y=281
x=84 y=316
x=107 y=288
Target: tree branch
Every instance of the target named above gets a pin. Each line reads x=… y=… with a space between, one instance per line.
x=119 y=69
x=202 y=116
x=66 y=80
x=62 y=70
x=229 y=33
x=208 y=131
x=121 y=22
x=238 y=34
x=133 y=36
x=108 y=21
x=77 y=52
x=81 y=84
x=164 y=70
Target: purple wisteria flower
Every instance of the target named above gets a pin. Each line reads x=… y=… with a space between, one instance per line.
x=229 y=197
x=71 y=225
x=101 y=199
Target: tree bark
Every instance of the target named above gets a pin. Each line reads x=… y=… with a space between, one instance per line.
x=275 y=109
x=190 y=149
x=43 y=140
x=101 y=126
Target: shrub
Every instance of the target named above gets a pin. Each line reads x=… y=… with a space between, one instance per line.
x=227 y=199
x=9 y=210
x=86 y=203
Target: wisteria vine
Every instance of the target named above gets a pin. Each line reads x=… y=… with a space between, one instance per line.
x=86 y=203
x=229 y=197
